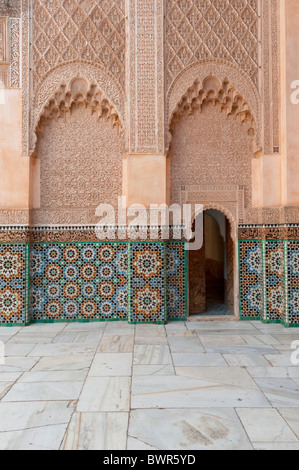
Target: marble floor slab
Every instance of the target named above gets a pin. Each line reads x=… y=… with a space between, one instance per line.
x=150 y=369
x=57 y=363
x=246 y=360
x=185 y=344
x=111 y=364
x=239 y=350
x=116 y=344
x=193 y=429
x=89 y=326
x=119 y=329
x=64 y=349
x=172 y=392
x=151 y=340
x=17 y=349
x=33 y=439
x=43 y=391
x=9 y=331
x=114 y=386
x=53 y=376
x=29 y=415
x=265 y=426
x=4 y=388
x=231 y=376
x=270 y=372
x=97 y=431
x=268 y=340
x=43 y=328
x=10 y=376
x=33 y=338
x=77 y=336
x=221 y=340
x=18 y=364
x=275 y=446
x=291 y=416
x=105 y=394
x=282 y=393
x=198 y=360
x=150 y=330
x=280 y=360
x=151 y=354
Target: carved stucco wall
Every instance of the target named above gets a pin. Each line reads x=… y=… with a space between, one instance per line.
x=210 y=162
x=64 y=39
x=240 y=38
x=79 y=167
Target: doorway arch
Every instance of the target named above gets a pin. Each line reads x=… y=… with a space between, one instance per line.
x=212 y=268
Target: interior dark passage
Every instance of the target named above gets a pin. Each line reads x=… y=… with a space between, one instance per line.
x=211 y=268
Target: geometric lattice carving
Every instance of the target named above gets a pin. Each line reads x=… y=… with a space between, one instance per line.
x=68 y=30
x=202 y=29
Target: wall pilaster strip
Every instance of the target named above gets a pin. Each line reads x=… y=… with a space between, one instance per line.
x=25 y=81
x=145 y=76
x=15 y=51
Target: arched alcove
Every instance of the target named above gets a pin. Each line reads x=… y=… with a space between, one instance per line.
x=79 y=154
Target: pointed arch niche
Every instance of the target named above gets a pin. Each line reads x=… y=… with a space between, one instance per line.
x=78 y=156
x=213 y=139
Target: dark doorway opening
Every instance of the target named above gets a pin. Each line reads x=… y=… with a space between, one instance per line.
x=211 y=269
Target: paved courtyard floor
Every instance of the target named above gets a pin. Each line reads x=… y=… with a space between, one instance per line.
x=183 y=386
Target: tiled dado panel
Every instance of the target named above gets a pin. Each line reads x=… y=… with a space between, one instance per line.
x=148 y=293
x=78 y=282
x=176 y=260
x=14 y=284
x=269 y=281
x=139 y=282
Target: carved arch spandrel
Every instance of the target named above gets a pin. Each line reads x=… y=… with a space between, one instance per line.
x=64 y=74
x=73 y=95
x=227 y=76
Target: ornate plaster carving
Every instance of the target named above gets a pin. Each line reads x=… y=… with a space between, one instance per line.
x=210 y=156
x=212 y=90
x=63 y=75
x=80 y=166
x=77 y=93
x=10 y=8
